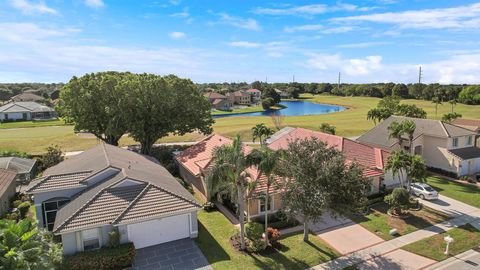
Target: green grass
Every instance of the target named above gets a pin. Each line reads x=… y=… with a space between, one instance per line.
x=351 y=122
x=468 y=194
x=29 y=124
x=214 y=241
x=380 y=223
x=464 y=238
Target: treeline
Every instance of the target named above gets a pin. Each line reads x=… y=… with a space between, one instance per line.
x=46 y=90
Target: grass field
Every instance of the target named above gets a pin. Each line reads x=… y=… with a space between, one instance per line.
x=351 y=122
x=468 y=194
x=30 y=124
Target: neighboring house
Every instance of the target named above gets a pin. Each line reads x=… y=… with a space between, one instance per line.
x=471 y=124
x=24 y=167
x=7 y=189
x=27 y=97
x=219 y=101
x=105 y=188
x=371 y=159
x=443 y=146
x=22 y=111
x=240 y=97
x=195 y=161
x=256 y=95
x=283 y=94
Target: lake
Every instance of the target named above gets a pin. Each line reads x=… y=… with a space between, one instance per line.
x=294 y=108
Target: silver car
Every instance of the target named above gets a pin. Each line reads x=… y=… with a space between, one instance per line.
x=423 y=191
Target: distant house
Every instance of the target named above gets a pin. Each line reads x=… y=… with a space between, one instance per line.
x=256 y=95
x=23 y=167
x=371 y=159
x=106 y=188
x=472 y=124
x=7 y=189
x=240 y=97
x=26 y=111
x=26 y=96
x=282 y=93
x=219 y=101
x=443 y=146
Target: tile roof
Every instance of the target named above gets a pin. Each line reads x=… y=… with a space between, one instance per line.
x=284 y=140
x=214 y=95
x=26 y=97
x=379 y=135
x=466 y=153
x=471 y=124
x=19 y=165
x=6 y=179
x=24 y=106
x=59 y=181
x=253 y=90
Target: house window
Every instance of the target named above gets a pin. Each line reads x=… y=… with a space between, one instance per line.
x=455 y=142
x=50 y=209
x=262 y=204
x=90 y=239
x=469 y=140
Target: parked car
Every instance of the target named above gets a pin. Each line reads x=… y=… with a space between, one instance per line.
x=423 y=191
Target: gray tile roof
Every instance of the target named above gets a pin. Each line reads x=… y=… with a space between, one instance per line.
x=24 y=106
x=466 y=153
x=103 y=203
x=379 y=135
x=19 y=165
x=6 y=179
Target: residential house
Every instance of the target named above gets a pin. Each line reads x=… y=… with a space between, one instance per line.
x=23 y=167
x=219 y=101
x=443 y=146
x=282 y=93
x=85 y=197
x=22 y=111
x=27 y=97
x=240 y=97
x=195 y=161
x=256 y=95
x=371 y=159
x=7 y=189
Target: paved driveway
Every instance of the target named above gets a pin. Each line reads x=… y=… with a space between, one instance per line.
x=180 y=254
x=450 y=206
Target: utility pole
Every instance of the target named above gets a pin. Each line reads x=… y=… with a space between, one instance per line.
x=420 y=75
x=293 y=79
x=266 y=79
x=338 y=85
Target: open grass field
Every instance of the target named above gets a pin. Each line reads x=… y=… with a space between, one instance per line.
x=214 y=241
x=351 y=122
x=29 y=124
x=464 y=238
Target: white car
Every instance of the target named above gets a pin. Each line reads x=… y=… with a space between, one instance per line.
x=423 y=191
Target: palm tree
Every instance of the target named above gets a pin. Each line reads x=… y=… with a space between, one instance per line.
x=261 y=132
x=398 y=163
x=266 y=161
x=417 y=169
x=409 y=127
x=228 y=173
x=375 y=115
x=396 y=131
x=453 y=102
x=436 y=101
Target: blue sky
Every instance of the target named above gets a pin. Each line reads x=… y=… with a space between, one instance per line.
x=232 y=41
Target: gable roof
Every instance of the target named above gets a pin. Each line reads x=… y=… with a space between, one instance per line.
x=24 y=106
x=379 y=135
x=26 y=97
x=253 y=90
x=471 y=124
x=102 y=202
x=6 y=179
x=19 y=165
x=466 y=153
x=214 y=95
x=372 y=159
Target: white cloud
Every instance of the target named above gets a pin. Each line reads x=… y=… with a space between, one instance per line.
x=244 y=44
x=245 y=23
x=338 y=30
x=28 y=7
x=95 y=3
x=363 y=44
x=310 y=10
x=460 y=17
x=306 y=27
x=177 y=35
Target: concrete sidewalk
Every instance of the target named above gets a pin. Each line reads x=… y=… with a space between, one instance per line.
x=468 y=260
x=389 y=246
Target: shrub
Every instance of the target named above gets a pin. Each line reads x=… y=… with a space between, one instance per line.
x=254 y=230
x=273 y=235
x=104 y=258
x=257 y=245
x=209 y=206
x=281 y=215
x=23 y=209
x=114 y=238
x=16 y=203
x=12 y=216
x=399 y=200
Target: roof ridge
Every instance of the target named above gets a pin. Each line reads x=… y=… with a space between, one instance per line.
x=444 y=129
x=176 y=195
x=450 y=124
x=131 y=204
x=104 y=148
x=61 y=225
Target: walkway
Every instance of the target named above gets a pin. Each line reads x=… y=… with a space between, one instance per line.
x=469 y=260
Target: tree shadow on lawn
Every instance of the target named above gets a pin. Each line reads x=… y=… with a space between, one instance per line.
x=212 y=250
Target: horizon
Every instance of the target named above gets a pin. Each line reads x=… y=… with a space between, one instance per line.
x=377 y=41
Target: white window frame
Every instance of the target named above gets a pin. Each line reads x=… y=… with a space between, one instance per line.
x=469 y=140
x=454 y=142
x=45 y=211
x=95 y=235
x=270 y=201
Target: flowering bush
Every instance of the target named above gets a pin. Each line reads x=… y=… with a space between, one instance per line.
x=273 y=235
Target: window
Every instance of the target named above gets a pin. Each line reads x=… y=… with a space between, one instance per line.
x=469 y=140
x=455 y=142
x=90 y=239
x=50 y=211
x=262 y=204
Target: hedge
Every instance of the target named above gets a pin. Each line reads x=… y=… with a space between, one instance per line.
x=102 y=259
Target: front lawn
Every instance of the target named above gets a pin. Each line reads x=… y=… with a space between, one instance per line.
x=464 y=238
x=214 y=241
x=29 y=124
x=380 y=223
x=468 y=194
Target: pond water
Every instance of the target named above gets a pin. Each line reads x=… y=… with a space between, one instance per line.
x=294 y=108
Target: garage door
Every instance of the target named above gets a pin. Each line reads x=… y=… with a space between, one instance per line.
x=159 y=231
